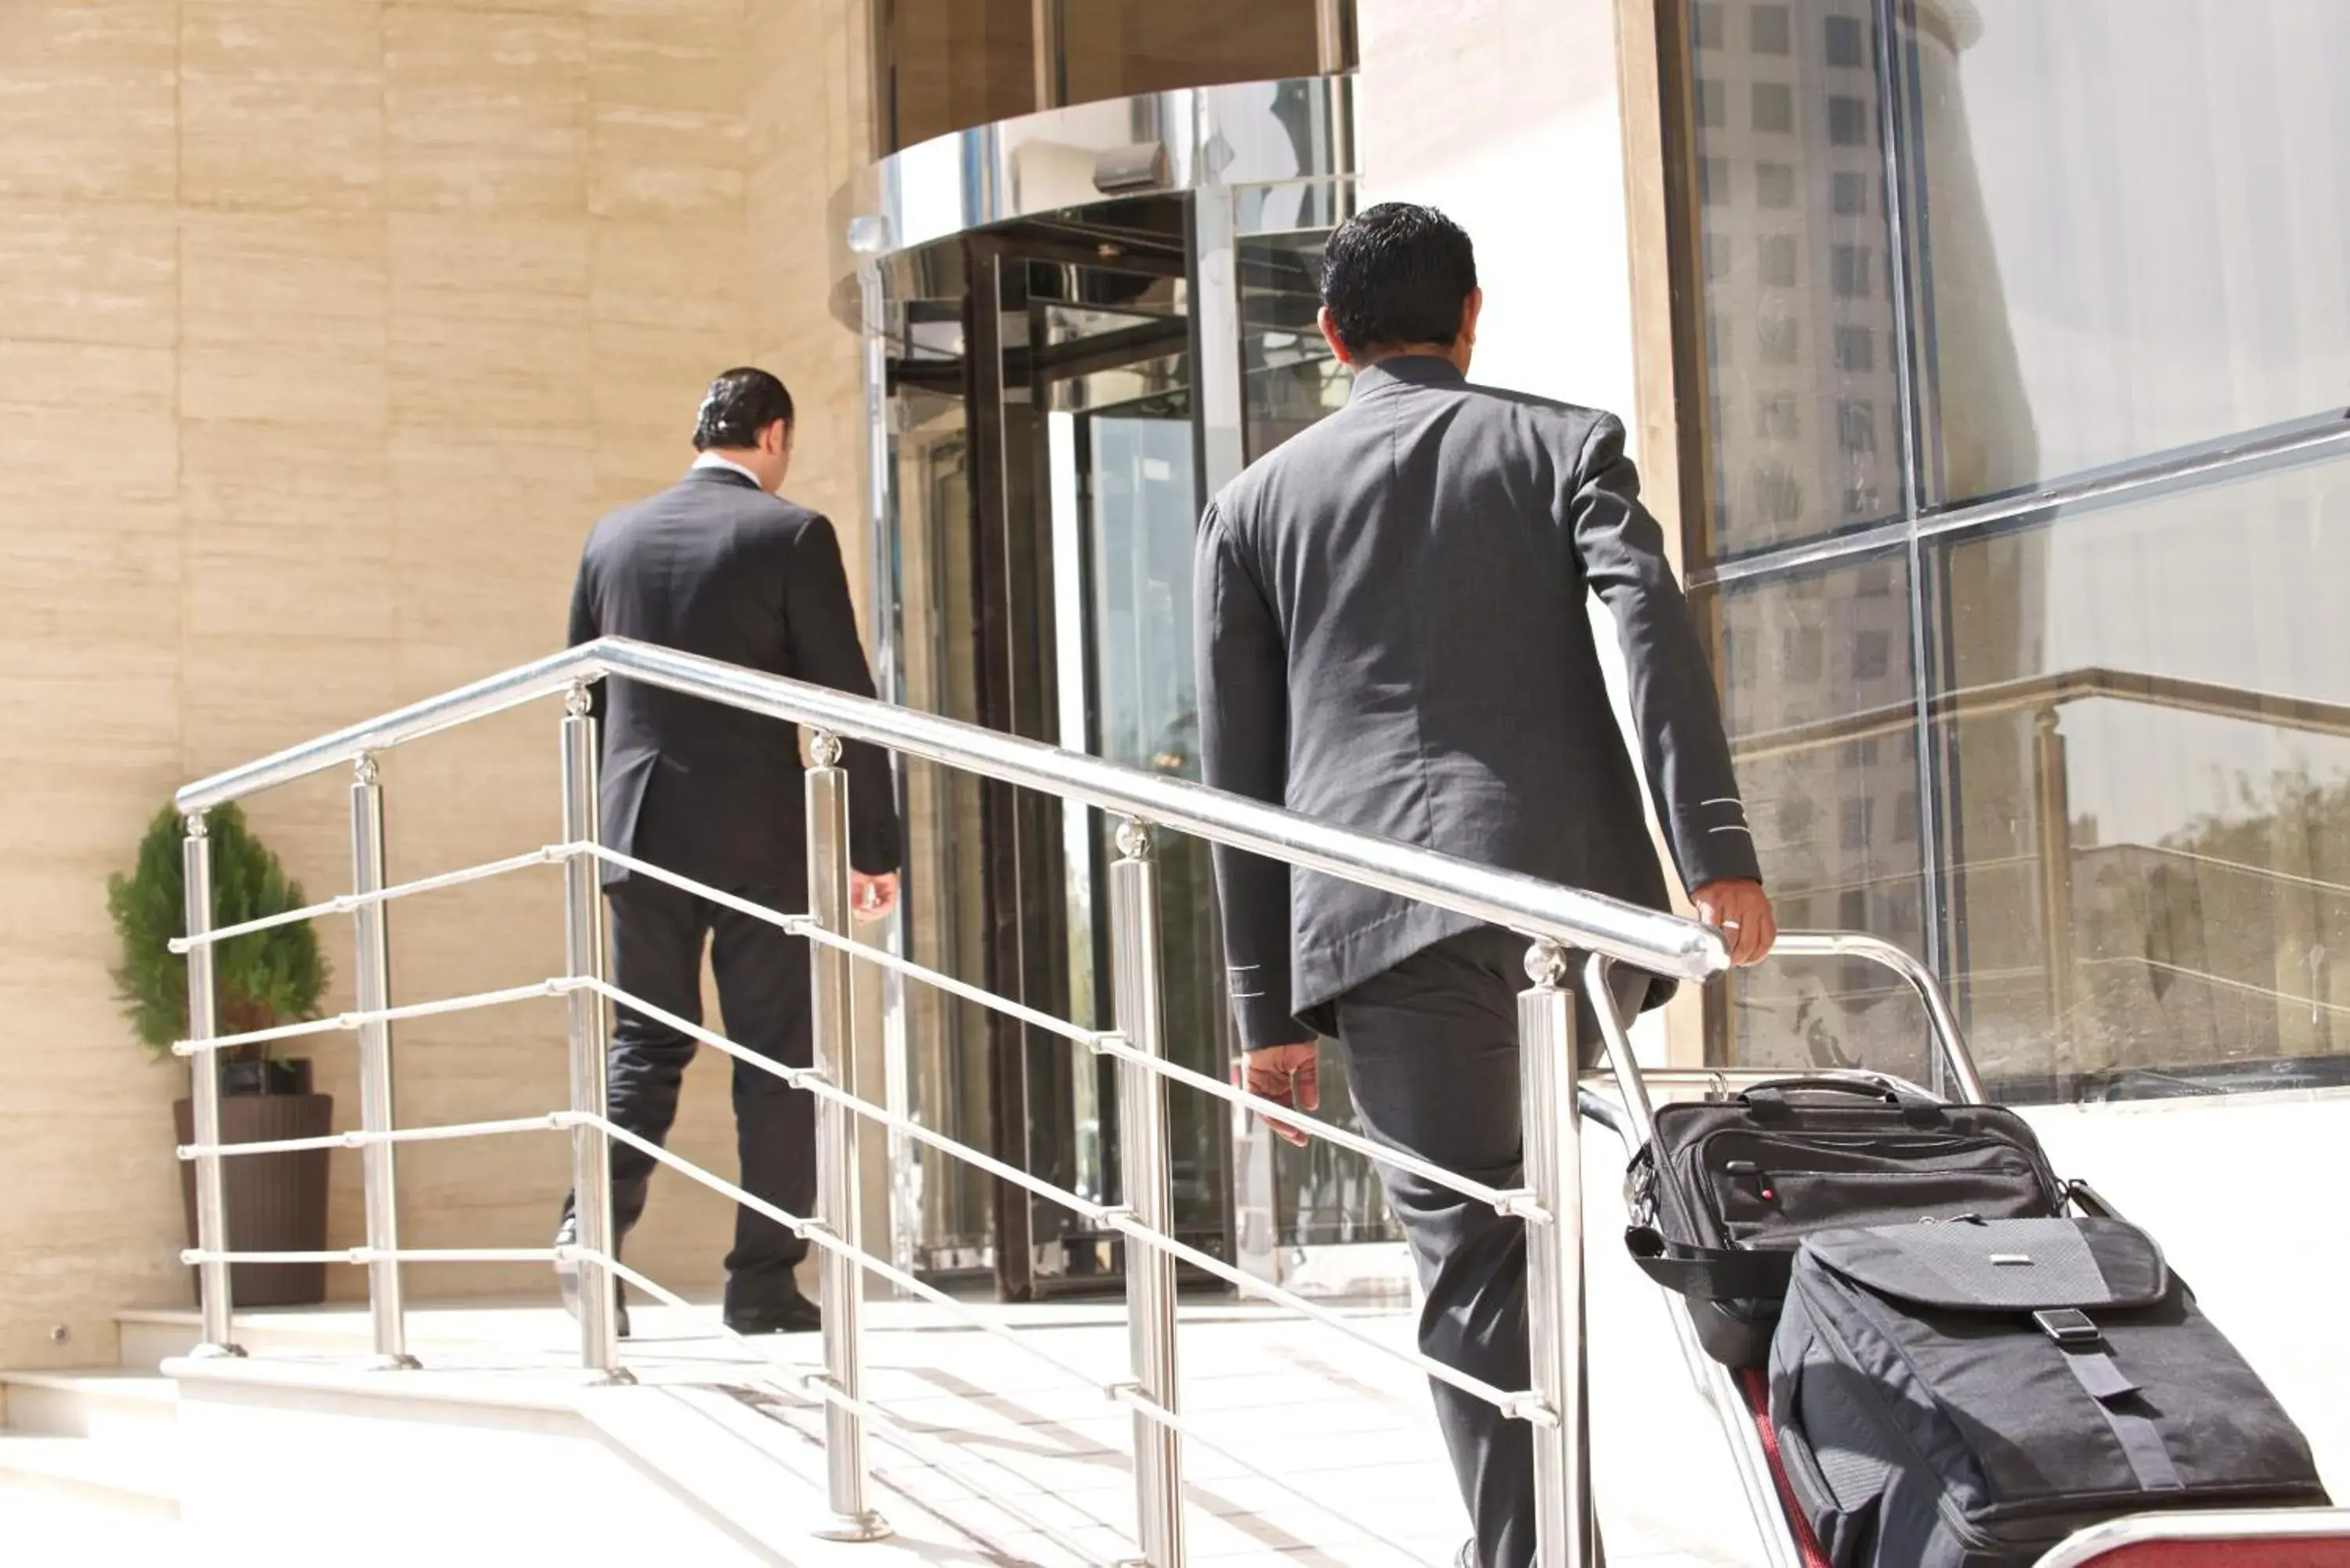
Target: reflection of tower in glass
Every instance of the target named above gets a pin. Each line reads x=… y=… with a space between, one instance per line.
x=1803 y=338
x=1982 y=442
x=1804 y=422
x=1804 y=416
x=1981 y=415
x=1805 y=404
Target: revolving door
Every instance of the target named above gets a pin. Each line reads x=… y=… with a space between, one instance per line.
x=1078 y=325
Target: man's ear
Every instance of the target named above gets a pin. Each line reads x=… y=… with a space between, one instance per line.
x=1470 y=309
x=1329 y=324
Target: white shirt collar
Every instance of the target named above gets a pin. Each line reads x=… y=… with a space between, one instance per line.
x=712 y=460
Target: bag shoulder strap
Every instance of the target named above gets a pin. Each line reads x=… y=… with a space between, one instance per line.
x=1709 y=1274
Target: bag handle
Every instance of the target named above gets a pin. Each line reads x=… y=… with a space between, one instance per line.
x=2089 y=1200
x=1769 y=1101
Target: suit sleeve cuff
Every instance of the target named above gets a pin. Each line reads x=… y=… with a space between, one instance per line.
x=1714 y=843
x=1722 y=857
x=1261 y=1011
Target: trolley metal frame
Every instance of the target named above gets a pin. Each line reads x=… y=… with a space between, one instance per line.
x=2242 y=1538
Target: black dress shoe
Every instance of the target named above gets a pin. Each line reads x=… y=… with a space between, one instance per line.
x=798 y=1315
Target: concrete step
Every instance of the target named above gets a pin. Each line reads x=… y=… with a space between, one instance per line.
x=105 y=1477
x=150 y=1338
x=89 y=1402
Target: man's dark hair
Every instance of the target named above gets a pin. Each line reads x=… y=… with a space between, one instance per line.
x=1398 y=274
x=738 y=405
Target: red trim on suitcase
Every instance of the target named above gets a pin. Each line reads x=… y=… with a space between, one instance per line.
x=1756 y=1384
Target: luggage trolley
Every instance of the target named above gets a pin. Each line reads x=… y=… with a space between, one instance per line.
x=2249 y=1538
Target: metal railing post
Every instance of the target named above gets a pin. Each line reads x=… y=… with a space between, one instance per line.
x=1566 y=1531
x=583 y=947
x=839 y=1199
x=1143 y=1158
x=2052 y=782
x=379 y=1162
x=213 y=1296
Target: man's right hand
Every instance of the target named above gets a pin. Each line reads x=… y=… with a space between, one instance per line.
x=1741 y=912
x=1287 y=1075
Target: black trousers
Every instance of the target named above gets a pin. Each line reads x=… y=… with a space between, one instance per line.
x=658 y=934
x=1432 y=1055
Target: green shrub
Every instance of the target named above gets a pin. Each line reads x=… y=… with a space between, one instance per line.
x=262 y=980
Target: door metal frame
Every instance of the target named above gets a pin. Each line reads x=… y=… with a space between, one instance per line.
x=1204 y=144
x=1064 y=160
x=1037 y=1078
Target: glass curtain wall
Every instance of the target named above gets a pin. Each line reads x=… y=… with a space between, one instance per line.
x=2013 y=356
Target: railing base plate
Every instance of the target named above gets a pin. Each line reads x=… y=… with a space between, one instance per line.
x=857 y=1527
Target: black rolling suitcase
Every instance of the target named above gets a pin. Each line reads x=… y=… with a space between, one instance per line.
x=1968 y=1395
x=1730 y=1186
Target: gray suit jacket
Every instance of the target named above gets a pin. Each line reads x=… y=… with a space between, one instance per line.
x=1393 y=636
x=716 y=566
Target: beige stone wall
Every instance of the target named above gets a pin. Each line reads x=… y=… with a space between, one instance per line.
x=326 y=327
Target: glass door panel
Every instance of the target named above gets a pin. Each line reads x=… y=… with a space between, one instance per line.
x=1110 y=371
x=1048 y=465
x=942 y=1207
x=1144 y=508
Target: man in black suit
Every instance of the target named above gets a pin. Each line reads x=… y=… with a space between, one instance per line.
x=1393 y=636
x=716 y=564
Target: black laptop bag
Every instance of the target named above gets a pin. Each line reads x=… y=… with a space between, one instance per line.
x=1966 y=1396
x=1729 y=1186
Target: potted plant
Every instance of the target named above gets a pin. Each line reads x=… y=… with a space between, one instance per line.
x=275 y=1203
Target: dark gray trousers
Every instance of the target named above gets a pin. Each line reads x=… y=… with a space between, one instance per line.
x=1432 y=1055
x=658 y=934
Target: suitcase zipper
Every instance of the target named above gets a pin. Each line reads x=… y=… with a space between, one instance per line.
x=1747 y=1167
x=1770 y=1185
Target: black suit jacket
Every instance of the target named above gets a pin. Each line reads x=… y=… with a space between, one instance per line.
x=715 y=565
x=1393 y=636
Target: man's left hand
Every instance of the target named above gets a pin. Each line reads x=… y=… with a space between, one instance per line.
x=1287 y=1075
x=871 y=897
x=1741 y=911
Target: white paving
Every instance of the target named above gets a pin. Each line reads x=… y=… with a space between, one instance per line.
x=1306 y=1445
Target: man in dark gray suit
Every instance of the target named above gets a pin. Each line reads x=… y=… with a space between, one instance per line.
x=716 y=564
x=1393 y=636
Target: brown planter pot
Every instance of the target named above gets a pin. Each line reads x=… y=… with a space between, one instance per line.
x=277 y=1202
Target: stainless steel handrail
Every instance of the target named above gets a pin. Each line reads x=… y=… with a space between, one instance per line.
x=1663 y=944
x=1108 y=1043
x=1558 y=920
